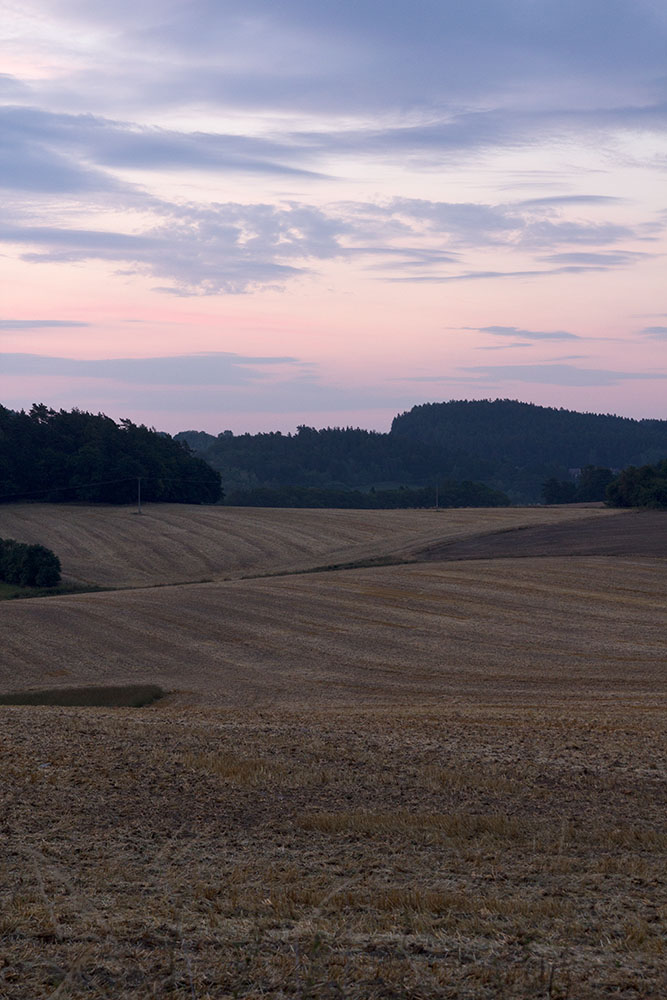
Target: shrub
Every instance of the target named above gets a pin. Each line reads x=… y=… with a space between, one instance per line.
x=28 y=565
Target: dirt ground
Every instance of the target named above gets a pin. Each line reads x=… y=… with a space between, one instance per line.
x=636 y=533
x=438 y=779
x=459 y=850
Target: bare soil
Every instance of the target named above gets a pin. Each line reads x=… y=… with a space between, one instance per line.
x=637 y=533
x=456 y=851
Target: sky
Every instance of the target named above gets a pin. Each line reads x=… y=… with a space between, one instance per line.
x=253 y=215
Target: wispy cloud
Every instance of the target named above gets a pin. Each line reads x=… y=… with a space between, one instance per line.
x=361 y=53
x=598 y=259
x=40 y=324
x=560 y=374
x=539 y=374
x=232 y=247
x=205 y=369
x=515 y=225
x=512 y=345
x=533 y=335
x=561 y=200
x=229 y=248
x=443 y=279
x=57 y=152
x=205 y=382
x=656 y=332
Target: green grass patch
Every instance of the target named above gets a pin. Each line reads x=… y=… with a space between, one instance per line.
x=12 y=592
x=112 y=696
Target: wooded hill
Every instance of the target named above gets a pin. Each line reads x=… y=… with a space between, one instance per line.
x=434 y=453
x=508 y=445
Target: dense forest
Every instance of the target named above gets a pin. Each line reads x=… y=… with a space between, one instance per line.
x=591 y=483
x=334 y=458
x=484 y=453
x=446 y=494
x=526 y=435
x=62 y=456
x=507 y=445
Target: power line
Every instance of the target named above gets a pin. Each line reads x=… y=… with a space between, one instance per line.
x=106 y=482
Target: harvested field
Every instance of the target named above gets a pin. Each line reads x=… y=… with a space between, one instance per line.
x=440 y=779
x=415 y=632
x=459 y=851
x=178 y=543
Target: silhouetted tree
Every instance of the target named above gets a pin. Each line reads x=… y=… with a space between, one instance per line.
x=65 y=456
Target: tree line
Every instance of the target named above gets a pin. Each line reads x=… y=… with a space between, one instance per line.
x=481 y=453
x=447 y=494
x=632 y=487
x=65 y=456
x=640 y=487
x=509 y=446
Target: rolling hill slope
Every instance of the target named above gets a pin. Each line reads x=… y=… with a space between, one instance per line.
x=512 y=629
x=438 y=778
x=177 y=543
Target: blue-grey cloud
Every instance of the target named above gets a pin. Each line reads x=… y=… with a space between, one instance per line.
x=538 y=374
x=230 y=248
x=78 y=244
x=283 y=395
x=11 y=88
x=401 y=259
x=605 y=259
x=452 y=132
x=362 y=53
x=27 y=167
x=513 y=331
x=212 y=248
x=513 y=224
x=657 y=332
x=427 y=81
x=561 y=200
x=56 y=152
x=199 y=382
x=204 y=369
x=40 y=324
x=443 y=279
x=503 y=347
x=560 y=374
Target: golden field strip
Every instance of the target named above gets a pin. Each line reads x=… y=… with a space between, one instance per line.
x=436 y=779
x=512 y=629
x=178 y=543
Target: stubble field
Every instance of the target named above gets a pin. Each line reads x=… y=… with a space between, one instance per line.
x=437 y=779
x=179 y=543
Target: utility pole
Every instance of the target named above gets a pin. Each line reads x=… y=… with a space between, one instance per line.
x=138 y=494
x=437 y=497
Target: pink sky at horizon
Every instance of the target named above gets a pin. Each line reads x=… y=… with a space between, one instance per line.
x=339 y=254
